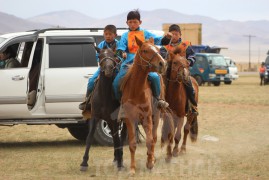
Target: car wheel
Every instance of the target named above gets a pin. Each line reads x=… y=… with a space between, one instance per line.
x=79 y=132
x=102 y=135
x=228 y=82
x=216 y=83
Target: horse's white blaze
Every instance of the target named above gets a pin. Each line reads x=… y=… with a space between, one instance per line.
x=155 y=49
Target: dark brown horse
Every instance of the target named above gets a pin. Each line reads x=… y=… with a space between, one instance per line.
x=137 y=102
x=176 y=75
x=105 y=106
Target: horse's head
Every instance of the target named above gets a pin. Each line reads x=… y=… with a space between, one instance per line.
x=108 y=61
x=150 y=56
x=179 y=67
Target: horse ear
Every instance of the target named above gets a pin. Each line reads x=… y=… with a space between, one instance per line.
x=97 y=49
x=151 y=40
x=170 y=56
x=138 y=41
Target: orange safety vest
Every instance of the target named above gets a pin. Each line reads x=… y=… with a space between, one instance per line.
x=182 y=46
x=132 y=45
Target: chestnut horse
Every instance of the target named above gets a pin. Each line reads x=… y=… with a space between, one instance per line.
x=137 y=102
x=176 y=75
x=105 y=106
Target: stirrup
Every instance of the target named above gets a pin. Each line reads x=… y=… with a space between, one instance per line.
x=82 y=105
x=162 y=104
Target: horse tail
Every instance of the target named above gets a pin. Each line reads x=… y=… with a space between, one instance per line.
x=168 y=128
x=194 y=123
x=194 y=129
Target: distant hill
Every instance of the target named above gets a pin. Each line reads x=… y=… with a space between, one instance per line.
x=10 y=23
x=64 y=19
x=231 y=34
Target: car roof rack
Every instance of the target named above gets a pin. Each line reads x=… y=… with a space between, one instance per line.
x=38 y=31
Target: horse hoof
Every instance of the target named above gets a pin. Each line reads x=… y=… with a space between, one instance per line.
x=132 y=172
x=168 y=159
x=182 y=152
x=150 y=165
x=83 y=168
x=120 y=168
x=175 y=153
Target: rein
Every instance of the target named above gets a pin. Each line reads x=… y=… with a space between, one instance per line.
x=180 y=75
x=149 y=65
x=116 y=66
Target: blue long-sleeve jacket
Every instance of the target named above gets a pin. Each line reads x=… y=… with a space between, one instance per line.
x=104 y=44
x=124 y=43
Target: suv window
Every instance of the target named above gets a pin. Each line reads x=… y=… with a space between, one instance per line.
x=71 y=55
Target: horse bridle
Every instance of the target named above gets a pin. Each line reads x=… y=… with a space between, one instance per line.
x=149 y=65
x=180 y=75
x=116 y=64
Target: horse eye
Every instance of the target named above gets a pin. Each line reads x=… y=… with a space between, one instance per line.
x=144 y=51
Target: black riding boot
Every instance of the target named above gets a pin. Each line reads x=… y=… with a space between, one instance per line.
x=191 y=96
x=86 y=104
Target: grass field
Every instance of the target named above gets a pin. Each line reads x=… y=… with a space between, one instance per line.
x=233 y=143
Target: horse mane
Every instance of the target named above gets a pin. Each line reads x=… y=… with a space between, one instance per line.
x=128 y=76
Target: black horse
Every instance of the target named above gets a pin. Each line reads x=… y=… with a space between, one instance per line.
x=105 y=106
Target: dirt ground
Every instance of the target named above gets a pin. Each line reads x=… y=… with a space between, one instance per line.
x=233 y=143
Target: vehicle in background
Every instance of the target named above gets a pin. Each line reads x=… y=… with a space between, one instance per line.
x=266 y=77
x=233 y=71
x=210 y=67
x=52 y=79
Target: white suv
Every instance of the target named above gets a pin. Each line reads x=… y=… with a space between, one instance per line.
x=233 y=71
x=51 y=82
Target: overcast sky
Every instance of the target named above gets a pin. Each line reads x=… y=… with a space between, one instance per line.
x=240 y=10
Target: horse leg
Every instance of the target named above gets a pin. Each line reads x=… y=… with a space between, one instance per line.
x=169 y=150
x=118 y=152
x=132 y=143
x=89 y=140
x=155 y=128
x=178 y=125
x=147 y=125
x=186 y=132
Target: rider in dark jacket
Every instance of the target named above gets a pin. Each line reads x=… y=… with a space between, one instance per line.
x=186 y=51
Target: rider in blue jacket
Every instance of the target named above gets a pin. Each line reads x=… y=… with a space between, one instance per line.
x=127 y=49
x=110 y=33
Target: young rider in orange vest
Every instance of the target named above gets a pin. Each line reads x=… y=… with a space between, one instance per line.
x=127 y=49
x=186 y=51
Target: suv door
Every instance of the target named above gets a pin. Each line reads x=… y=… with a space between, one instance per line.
x=71 y=62
x=13 y=90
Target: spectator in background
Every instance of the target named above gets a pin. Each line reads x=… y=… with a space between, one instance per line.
x=2 y=62
x=9 y=56
x=262 y=73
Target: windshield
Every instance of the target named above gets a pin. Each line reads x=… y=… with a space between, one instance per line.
x=217 y=60
x=230 y=63
x=2 y=39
